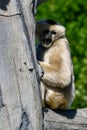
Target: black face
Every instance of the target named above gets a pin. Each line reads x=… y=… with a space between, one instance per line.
x=47 y=37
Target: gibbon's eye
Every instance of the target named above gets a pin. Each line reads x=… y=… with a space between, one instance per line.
x=46 y=31
x=53 y=32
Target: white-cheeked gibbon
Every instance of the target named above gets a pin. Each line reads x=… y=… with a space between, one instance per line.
x=53 y=55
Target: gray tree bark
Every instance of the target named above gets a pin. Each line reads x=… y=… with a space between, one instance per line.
x=65 y=119
x=20 y=105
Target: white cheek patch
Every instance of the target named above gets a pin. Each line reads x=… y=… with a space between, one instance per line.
x=60 y=30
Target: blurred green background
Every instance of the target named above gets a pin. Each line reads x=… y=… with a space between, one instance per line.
x=73 y=15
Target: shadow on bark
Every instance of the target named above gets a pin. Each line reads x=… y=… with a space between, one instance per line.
x=68 y=113
x=3 y=4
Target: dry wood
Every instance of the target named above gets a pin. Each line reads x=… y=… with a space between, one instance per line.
x=66 y=120
x=20 y=106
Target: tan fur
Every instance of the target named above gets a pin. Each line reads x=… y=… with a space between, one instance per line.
x=57 y=82
x=56 y=100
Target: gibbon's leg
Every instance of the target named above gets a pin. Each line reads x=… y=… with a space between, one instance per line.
x=55 y=100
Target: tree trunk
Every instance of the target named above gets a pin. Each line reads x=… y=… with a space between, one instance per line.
x=20 y=105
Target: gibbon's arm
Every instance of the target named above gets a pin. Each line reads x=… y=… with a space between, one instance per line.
x=57 y=73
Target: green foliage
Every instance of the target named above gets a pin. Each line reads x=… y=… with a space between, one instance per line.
x=73 y=15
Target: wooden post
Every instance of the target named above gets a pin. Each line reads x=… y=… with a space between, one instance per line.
x=20 y=105
x=65 y=119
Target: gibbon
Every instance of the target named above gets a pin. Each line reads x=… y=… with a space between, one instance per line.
x=53 y=55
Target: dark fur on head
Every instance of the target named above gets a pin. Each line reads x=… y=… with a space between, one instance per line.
x=52 y=22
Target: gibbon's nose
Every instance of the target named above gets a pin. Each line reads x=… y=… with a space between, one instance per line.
x=48 y=36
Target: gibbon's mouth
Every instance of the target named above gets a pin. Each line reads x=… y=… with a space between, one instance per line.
x=47 y=41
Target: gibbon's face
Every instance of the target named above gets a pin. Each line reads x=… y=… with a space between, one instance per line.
x=48 y=32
